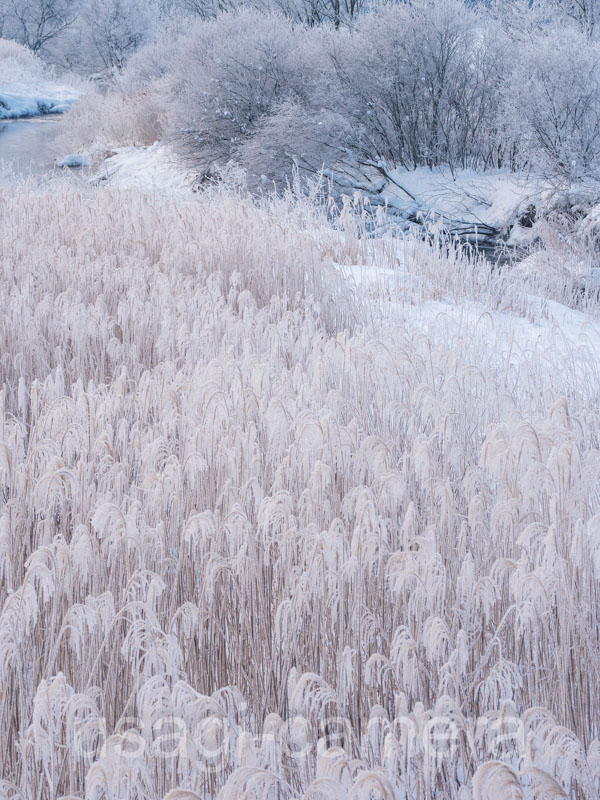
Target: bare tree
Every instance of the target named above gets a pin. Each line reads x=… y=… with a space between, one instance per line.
x=318 y=12
x=206 y=9
x=112 y=30
x=37 y=22
x=585 y=14
x=554 y=116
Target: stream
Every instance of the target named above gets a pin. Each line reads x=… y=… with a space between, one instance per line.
x=28 y=146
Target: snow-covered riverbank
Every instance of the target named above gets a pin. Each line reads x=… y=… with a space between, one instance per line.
x=28 y=88
x=18 y=100
x=32 y=98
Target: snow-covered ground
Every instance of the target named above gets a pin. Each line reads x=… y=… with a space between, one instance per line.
x=488 y=198
x=154 y=168
x=547 y=330
x=566 y=339
x=27 y=87
x=474 y=204
x=35 y=98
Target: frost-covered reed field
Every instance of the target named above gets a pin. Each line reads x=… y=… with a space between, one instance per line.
x=290 y=512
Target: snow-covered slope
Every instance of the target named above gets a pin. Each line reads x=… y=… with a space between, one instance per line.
x=493 y=204
x=154 y=168
x=34 y=98
x=27 y=88
x=566 y=339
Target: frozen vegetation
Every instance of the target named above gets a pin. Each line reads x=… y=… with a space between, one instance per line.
x=287 y=511
x=299 y=494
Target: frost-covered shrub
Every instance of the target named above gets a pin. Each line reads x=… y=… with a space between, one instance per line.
x=552 y=105
x=297 y=140
x=119 y=119
x=18 y=52
x=134 y=111
x=418 y=81
x=151 y=63
x=426 y=83
x=19 y=63
x=230 y=75
x=410 y=85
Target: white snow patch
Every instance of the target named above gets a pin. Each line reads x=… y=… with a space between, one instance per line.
x=566 y=340
x=495 y=198
x=33 y=99
x=550 y=330
x=154 y=168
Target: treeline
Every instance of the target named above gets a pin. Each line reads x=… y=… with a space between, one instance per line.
x=355 y=90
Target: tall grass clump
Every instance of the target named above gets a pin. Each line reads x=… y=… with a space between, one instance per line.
x=266 y=534
x=18 y=62
x=101 y=122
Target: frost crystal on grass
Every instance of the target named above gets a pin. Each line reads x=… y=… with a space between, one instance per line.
x=265 y=533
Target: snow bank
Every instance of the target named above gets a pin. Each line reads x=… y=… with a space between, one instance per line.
x=565 y=339
x=495 y=199
x=33 y=100
x=26 y=90
x=154 y=168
